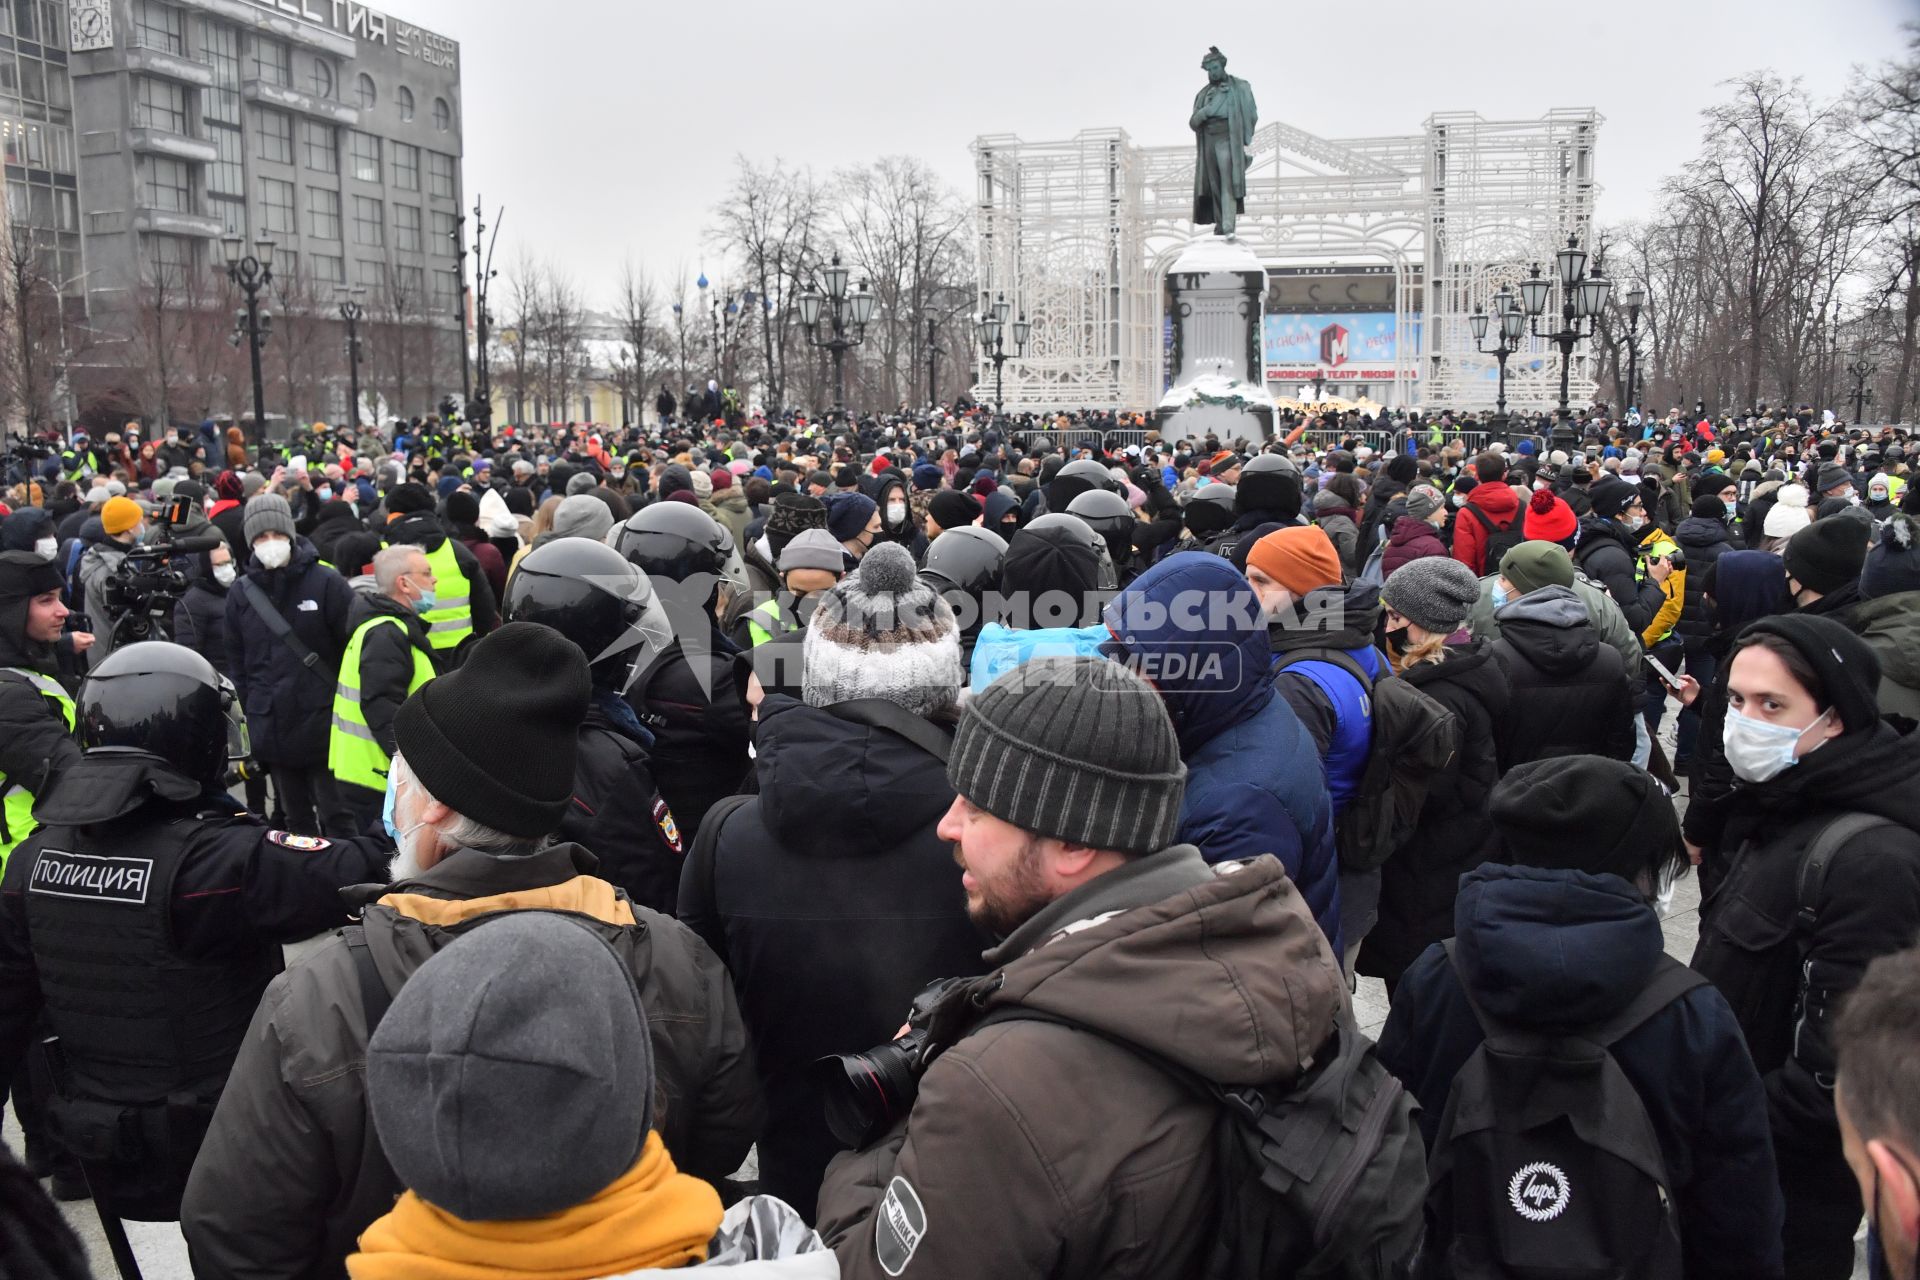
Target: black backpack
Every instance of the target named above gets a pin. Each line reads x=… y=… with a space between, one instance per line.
x=1414 y=738
x=1499 y=541
x=1324 y=1178
x=1546 y=1156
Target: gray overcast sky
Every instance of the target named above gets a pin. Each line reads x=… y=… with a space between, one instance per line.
x=609 y=129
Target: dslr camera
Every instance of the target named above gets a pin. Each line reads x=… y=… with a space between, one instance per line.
x=868 y=1093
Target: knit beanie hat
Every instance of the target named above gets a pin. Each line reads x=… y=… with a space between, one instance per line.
x=702 y=485
x=405 y=499
x=251 y=483
x=883 y=633
x=1582 y=813
x=721 y=479
x=927 y=476
x=1080 y=749
x=1533 y=565
x=847 y=514
x=789 y=514
x=1424 y=500
x=1301 y=559
x=582 y=515
x=494 y=740
x=463 y=508
x=1611 y=495
x=1846 y=666
x=1708 y=507
x=1434 y=593
x=1827 y=554
x=1788 y=514
x=951 y=510
x=514 y=1075
x=1894 y=564
x=581 y=482
x=26 y=574
x=1325 y=500
x=1402 y=467
x=1549 y=518
x=122 y=514
x=266 y=513
x=1831 y=476
x=812 y=549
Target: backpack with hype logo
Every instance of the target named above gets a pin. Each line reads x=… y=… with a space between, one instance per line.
x=1546 y=1161
x=1414 y=737
x=1499 y=541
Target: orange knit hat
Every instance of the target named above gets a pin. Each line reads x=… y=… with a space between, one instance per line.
x=1301 y=559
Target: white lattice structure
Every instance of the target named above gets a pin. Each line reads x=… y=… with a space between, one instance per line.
x=1078 y=235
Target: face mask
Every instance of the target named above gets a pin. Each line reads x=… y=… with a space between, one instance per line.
x=223 y=574
x=1540 y=484
x=1733 y=506
x=1757 y=750
x=896 y=512
x=48 y=547
x=425 y=602
x=1636 y=523
x=1500 y=596
x=323 y=493
x=273 y=555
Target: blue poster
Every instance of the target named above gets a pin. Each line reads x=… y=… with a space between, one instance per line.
x=1333 y=342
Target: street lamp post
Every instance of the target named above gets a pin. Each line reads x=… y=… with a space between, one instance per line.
x=483 y=272
x=844 y=312
x=1583 y=296
x=1512 y=327
x=1636 y=298
x=353 y=313
x=933 y=356
x=459 y=310
x=1860 y=371
x=252 y=272
x=991 y=328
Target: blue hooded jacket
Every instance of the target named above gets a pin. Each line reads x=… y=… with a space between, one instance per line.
x=1193 y=627
x=1563 y=950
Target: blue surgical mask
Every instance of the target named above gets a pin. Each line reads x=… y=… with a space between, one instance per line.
x=386 y=813
x=1499 y=597
x=323 y=493
x=1759 y=749
x=1733 y=507
x=425 y=603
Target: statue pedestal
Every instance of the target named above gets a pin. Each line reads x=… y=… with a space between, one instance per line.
x=1220 y=382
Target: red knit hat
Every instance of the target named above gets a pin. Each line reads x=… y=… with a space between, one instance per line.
x=1549 y=519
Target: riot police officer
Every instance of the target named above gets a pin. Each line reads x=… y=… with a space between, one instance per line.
x=146 y=916
x=588 y=592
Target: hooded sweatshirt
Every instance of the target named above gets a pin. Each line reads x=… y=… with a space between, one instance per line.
x=1571 y=695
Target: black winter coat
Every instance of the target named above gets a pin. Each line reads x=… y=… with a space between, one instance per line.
x=1419 y=883
x=335 y=520
x=1703 y=540
x=1571 y=695
x=617 y=813
x=1605 y=554
x=386 y=662
x=289 y=707
x=200 y=618
x=34 y=740
x=832 y=901
x=700 y=725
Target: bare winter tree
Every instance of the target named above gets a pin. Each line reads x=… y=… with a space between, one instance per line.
x=308 y=348
x=637 y=318
x=769 y=226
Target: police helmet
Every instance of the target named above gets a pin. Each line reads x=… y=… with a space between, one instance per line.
x=965 y=559
x=1217 y=492
x=1094 y=473
x=168 y=701
x=1082 y=532
x=595 y=597
x=1107 y=513
x=1277 y=463
x=675 y=540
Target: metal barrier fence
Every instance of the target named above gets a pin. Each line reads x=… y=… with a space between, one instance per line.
x=1071 y=438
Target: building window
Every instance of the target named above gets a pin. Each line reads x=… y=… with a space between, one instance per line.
x=159 y=26
x=323 y=147
x=442 y=115
x=276 y=135
x=440 y=175
x=405 y=99
x=220 y=50
x=276 y=207
x=406 y=228
x=446 y=290
x=272 y=62
x=369 y=222
x=170 y=258
x=410 y=288
x=159 y=105
x=321 y=80
x=286 y=264
x=323 y=213
x=406 y=166
x=445 y=228
x=368 y=276
x=364 y=92
x=224 y=176
x=364 y=150
x=328 y=269
x=169 y=184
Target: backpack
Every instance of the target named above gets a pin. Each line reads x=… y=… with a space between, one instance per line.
x=1545 y=1154
x=1414 y=737
x=1374 y=572
x=1499 y=541
x=1324 y=1177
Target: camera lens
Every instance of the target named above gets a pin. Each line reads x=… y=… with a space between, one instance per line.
x=868 y=1093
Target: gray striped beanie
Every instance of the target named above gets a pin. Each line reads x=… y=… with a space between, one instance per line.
x=1076 y=748
x=883 y=633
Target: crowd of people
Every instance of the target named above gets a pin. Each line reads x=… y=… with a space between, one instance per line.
x=985 y=825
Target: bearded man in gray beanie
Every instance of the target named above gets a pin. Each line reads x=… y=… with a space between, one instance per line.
x=1036 y=1149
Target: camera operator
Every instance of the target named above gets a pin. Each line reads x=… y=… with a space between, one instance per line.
x=145 y=919
x=124 y=524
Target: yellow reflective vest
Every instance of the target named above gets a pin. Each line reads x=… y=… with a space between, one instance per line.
x=352 y=753
x=450 y=621
x=15 y=800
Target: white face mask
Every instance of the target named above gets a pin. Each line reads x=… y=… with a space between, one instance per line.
x=223 y=574
x=1758 y=750
x=48 y=547
x=896 y=512
x=274 y=554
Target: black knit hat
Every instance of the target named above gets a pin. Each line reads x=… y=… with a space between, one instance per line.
x=1708 y=507
x=1076 y=748
x=494 y=740
x=1582 y=813
x=1827 y=554
x=404 y=499
x=951 y=510
x=26 y=574
x=1611 y=495
x=1847 y=667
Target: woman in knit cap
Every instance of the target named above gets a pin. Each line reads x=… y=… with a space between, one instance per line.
x=1426 y=606
x=1787 y=934
x=1786 y=516
x=1416 y=535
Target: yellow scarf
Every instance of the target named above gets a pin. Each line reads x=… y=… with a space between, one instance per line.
x=653 y=1216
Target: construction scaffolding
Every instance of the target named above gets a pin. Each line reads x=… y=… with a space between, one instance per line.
x=1078 y=235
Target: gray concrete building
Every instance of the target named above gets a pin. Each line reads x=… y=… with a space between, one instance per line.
x=142 y=131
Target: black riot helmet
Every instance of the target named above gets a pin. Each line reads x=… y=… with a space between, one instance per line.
x=1082 y=532
x=593 y=596
x=168 y=701
x=1096 y=474
x=965 y=559
x=1109 y=516
x=675 y=540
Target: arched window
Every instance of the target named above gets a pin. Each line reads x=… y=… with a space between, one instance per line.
x=442 y=115
x=367 y=94
x=405 y=98
x=322 y=78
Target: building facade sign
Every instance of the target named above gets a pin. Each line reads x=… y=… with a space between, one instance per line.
x=363 y=22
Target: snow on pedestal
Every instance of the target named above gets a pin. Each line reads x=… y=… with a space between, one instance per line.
x=1220 y=387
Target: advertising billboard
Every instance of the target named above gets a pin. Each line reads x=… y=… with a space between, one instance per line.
x=1343 y=344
